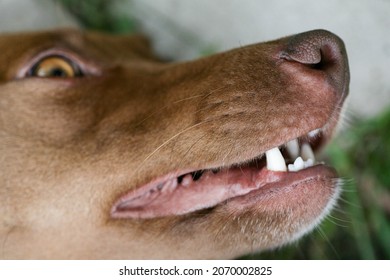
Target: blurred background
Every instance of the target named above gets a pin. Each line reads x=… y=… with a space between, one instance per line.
x=359 y=228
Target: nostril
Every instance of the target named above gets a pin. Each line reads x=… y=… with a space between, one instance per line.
x=314 y=47
x=320 y=50
x=328 y=58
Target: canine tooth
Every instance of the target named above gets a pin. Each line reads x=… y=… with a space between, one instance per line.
x=293 y=148
x=275 y=160
x=307 y=152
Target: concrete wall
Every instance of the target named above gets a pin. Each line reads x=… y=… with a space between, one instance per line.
x=23 y=15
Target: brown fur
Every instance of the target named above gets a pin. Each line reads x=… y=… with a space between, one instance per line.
x=70 y=147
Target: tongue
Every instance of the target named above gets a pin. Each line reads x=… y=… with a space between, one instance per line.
x=168 y=197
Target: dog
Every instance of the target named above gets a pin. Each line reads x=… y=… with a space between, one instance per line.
x=109 y=152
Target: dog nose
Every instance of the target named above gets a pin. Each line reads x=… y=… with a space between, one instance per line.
x=323 y=51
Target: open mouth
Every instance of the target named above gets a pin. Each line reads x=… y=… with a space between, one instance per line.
x=187 y=191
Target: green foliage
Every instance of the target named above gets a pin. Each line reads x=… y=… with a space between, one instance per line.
x=367 y=159
x=98 y=15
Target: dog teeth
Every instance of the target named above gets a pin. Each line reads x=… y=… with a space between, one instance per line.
x=300 y=164
x=293 y=148
x=302 y=156
x=307 y=152
x=275 y=160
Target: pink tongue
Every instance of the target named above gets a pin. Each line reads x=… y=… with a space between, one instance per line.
x=168 y=197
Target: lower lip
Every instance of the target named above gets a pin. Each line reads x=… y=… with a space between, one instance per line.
x=237 y=188
x=286 y=185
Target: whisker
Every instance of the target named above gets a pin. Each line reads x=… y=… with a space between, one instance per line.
x=334 y=220
x=213 y=91
x=323 y=235
x=168 y=141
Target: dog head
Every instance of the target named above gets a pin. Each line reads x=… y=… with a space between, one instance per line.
x=109 y=152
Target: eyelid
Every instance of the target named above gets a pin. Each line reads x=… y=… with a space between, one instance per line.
x=88 y=68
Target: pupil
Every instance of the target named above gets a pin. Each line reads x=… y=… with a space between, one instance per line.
x=58 y=72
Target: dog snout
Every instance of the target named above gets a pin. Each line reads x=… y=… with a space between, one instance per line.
x=320 y=50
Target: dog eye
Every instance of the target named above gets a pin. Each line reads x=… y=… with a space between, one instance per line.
x=55 y=67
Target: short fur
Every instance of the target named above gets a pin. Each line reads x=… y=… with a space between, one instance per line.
x=71 y=147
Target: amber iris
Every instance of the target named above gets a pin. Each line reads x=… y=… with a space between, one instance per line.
x=55 y=66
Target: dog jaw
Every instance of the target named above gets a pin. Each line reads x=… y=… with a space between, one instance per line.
x=71 y=147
